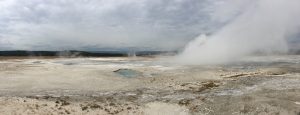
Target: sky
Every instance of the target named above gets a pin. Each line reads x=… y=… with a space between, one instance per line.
x=111 y=24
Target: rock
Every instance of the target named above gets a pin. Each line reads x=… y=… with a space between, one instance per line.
x=184 y=102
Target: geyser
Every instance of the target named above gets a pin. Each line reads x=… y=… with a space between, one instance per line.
x=263 y=26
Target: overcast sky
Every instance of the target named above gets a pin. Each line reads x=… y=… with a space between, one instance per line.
x=100 y=24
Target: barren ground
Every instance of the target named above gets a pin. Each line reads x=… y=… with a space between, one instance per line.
x=261 y=85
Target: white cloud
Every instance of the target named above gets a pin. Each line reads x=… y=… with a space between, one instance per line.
x=68 y=24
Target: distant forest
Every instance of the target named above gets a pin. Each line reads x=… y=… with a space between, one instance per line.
x=74 y=53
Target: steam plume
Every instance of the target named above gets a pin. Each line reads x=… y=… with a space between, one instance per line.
x=263 y=26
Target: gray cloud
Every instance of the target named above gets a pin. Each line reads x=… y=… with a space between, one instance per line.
x=68 y=24
x=94 y=24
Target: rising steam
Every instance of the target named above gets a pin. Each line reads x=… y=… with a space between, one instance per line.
x=263 y=26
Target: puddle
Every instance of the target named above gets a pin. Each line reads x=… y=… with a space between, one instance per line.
x=129 y=73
